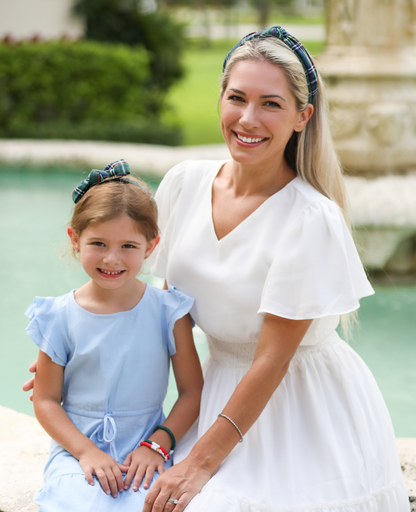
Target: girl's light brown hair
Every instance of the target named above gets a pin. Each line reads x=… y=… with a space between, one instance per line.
x=113 y=198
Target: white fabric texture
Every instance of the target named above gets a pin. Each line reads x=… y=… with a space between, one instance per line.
x=324 y=442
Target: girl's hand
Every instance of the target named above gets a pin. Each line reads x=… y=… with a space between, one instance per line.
x=107 y=470
x=143 y=462
x=181 y=482
x=28 y=385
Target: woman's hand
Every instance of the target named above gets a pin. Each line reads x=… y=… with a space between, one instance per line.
x=181 y=482
x=107 y=470
x=142 y=462
x=28 y=385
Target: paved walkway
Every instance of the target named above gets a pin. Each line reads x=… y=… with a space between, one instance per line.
x=152 y=159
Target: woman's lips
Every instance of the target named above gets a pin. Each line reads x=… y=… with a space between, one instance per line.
x=248 y=141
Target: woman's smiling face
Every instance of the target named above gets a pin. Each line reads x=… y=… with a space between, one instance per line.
x=258 y=113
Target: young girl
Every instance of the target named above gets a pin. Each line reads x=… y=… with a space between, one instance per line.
x=103 y=363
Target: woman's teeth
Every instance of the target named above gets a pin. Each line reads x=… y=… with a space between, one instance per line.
x=248 y=139
x=111 y=273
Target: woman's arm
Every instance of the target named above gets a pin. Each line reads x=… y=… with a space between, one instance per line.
x=279 y=339
x=47 y=393
x=188 y=374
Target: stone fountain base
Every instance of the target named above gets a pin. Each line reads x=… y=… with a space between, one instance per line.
x=383 y=212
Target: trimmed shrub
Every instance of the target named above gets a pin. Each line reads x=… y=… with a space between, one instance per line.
x=77 y=90
x=144 y=131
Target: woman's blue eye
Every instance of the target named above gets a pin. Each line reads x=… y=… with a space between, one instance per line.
x=272 y=104
x=235 y=98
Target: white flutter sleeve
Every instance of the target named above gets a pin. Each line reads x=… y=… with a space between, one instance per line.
x=316 y=271
x=166 y=197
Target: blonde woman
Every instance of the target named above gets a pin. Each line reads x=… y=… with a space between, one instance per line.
x=262 y=244
x=291 y=418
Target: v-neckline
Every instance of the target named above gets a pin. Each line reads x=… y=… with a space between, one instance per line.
x=247 y=219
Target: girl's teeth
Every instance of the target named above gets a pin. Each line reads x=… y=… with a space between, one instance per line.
x=112 y=273
x=248 y=139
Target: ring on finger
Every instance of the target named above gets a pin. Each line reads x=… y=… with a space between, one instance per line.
x=172 y=500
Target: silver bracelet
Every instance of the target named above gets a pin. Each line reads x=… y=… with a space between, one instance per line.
x=235 y=425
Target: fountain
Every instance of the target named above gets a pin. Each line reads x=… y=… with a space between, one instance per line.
x=370 y=68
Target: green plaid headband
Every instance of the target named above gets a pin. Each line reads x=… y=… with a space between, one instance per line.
x=295 y=45
x=116 y=171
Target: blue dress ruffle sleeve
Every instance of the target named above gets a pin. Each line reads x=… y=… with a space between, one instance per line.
x=176 y=305
x=48 y=327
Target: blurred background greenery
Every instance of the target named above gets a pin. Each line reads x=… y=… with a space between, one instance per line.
x=142 y=72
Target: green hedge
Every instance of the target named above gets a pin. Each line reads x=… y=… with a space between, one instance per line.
x=83 y=90
x=142 y=131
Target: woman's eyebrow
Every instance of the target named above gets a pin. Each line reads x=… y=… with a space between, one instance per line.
x=262 y=96
x=238 y=91
x=272 y=96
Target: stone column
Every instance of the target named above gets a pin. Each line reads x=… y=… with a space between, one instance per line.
x=370 y=66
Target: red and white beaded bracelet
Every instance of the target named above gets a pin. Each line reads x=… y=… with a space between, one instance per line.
x=157 y=448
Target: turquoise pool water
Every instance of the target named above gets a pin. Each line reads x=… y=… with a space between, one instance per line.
x=34 y=211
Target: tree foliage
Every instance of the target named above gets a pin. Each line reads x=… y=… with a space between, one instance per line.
x=122 y=21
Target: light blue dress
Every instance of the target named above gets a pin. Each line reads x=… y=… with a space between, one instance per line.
x=115 y=381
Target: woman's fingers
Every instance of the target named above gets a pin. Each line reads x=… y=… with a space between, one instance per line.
x=33 y=367
x=158 y=504
x=28 y=385
x=150 y=499
x=182 y=502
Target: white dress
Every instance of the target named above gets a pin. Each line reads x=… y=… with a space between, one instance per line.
x=324 y=442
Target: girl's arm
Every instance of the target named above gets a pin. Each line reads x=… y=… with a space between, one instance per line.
x=47 y=393
x=279 y=339
x=144 y=462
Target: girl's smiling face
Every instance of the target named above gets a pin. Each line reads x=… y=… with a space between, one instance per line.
x=112 y=252
x=258 y=113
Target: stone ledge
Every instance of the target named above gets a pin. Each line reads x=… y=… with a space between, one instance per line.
x=24 y=447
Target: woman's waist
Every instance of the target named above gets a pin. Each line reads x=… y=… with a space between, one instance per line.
x=241 y=355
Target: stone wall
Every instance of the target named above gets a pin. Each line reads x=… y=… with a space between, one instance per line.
x=24 y=450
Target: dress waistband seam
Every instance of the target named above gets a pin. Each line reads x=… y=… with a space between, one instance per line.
x=116 y=414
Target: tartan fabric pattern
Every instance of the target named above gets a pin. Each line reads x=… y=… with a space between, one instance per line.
x=295 y=45
x=116 y=171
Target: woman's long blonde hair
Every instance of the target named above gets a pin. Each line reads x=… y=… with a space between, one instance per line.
x=310 y=152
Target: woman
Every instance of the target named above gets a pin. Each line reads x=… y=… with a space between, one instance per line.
x=260 y=242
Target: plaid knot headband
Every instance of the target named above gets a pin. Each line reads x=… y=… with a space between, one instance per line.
x=116 y=171
x=295 y=45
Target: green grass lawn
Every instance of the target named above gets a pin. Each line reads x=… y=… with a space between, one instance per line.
x=194 y=99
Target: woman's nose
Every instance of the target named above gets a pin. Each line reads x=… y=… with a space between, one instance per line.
x=249 y=117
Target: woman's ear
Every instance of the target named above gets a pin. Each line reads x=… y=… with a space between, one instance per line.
x=304 y=118
x=74 y=238
x=151 y=246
